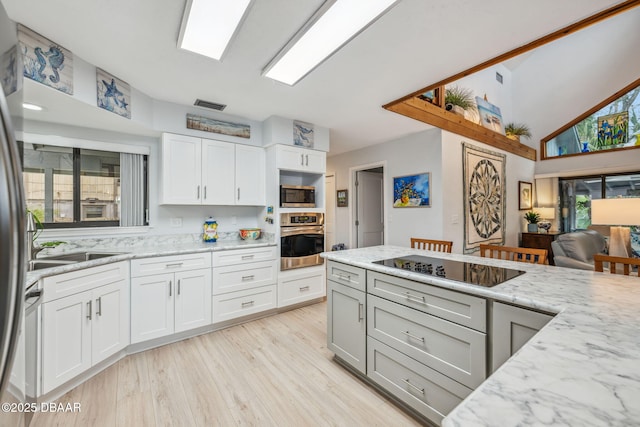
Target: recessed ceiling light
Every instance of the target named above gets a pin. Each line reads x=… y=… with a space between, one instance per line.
x=208 y=25
x=331 y=27
x=33 y=107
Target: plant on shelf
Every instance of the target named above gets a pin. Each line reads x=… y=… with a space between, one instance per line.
x=459 y=99
x=516 y=130
x=532 y=218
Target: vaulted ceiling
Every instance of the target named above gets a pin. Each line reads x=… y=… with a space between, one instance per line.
x=415 y=44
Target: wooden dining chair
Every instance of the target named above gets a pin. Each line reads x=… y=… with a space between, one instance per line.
x=432 y=245
x=616 y=264
x=533 y=256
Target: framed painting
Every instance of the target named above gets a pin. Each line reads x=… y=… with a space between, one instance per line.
x=113 y=94
x=9 y=71
x=412 y=191
x=484 y=197
x=341 y=197
x=45 y=61
x=218 y=126
x=490 y=115
x=613 y=129
x=303 y=134
x=525 y=192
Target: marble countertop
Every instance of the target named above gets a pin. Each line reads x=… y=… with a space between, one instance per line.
x=581 y=369
x=130 y=248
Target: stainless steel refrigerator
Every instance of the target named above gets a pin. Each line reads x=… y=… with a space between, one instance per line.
x=12 y=276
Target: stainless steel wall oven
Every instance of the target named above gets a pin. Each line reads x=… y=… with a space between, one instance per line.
x=301 y=239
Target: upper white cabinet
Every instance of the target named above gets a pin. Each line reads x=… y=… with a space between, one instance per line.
x=300 y=159
x=198 y=171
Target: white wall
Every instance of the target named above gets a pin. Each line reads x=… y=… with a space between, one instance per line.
x=420 y=152
x=499 y=94
x=279 y=130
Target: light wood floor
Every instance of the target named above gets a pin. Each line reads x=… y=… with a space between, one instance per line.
x=274 y=371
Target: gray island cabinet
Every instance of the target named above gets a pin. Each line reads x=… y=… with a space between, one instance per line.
x=425 y=346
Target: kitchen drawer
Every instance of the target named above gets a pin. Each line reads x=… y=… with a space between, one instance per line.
x=301 y=284
x=170 y=264
x=428 y=392
x=347 y=275
x=238 y=277
x=457 y=307
x=244 y=256
x=242 y=303
x=66 y=284
x=454 y=350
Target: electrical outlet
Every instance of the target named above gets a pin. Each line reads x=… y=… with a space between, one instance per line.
x=176 y=222
x=455 y=219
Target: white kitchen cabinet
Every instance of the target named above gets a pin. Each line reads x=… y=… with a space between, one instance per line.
x=347 y=324
x=164 y=304
x=197 y=171
x=300 y=285
x=83 y=329
x=293 y=158
x=511 y=328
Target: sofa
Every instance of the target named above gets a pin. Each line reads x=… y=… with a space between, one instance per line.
x=576 y=249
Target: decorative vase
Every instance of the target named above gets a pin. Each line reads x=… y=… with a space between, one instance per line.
x=585 y=147
x=532 y=228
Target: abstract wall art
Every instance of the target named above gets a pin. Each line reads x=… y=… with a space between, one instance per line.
x=45 y=61
x=302 y=134
x=113 y=94
x=218 y=126
x=484 y=197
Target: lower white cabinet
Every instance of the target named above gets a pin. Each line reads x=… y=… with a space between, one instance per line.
x=163 y=304
x=83 y=329
x=300 y=285
x=233 y=305
x=511 y=328
x=347 y=324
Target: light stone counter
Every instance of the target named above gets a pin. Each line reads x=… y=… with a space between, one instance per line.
x=581 y=369
x=141 y=247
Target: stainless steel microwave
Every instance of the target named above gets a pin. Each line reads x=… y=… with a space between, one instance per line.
x=297 y=196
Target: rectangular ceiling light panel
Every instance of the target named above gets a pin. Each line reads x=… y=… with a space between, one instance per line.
x=208 y=25
x=337 y=25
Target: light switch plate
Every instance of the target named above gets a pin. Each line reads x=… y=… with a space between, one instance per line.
x=176 y=222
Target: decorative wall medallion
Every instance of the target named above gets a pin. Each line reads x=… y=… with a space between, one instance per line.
x=113 y=94
x=45 y=61
x=484 y=197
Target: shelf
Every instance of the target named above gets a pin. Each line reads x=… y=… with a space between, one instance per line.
x=428 y=113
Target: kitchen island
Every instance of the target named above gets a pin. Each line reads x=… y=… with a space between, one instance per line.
x=581 y=369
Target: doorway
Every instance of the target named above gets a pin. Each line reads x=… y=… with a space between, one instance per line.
x=369 y=206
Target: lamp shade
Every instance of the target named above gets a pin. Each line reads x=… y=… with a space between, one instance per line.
x=615 y=211
x=546 y=213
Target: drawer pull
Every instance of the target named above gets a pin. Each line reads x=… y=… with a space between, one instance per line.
x=250 y=277
x=247 y=256
x=175 y=264
x=413 y=336
x=418 y=389
x=247 y=304
x=304 y=288
x=342 y=277
x=415 y=298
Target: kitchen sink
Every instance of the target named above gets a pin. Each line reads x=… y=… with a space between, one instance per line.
x=66 y=259
x=39 y=264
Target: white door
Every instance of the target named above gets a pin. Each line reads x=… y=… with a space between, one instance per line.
x=152 y=310
x=330 y=213
x=218 y=172
x=250 y=176
x=192 y=299
x=181 y=173
x=370 y=221
x=110 y=326
x=66 y=339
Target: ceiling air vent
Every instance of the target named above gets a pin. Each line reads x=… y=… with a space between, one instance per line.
x=211 y=105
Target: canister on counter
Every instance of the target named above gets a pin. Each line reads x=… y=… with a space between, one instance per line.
x=210 y=229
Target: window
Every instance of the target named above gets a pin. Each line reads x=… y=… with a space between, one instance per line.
x=77 y=187
x=576 y=195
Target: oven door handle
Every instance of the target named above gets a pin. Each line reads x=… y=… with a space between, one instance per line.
x=292 y=231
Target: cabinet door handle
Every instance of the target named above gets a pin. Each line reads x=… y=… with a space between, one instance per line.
x=307 y=160
x=175 y=264
x=89 y=309
x=360 y=312
x=205 y=192
x=418 y=389
x=179 y=280
x=198 y=197
x=99 y=306
x=250 y=277
x=304 y=288
x=238 y=193
x=416 y=298
x=247 y=304
x=301 y=159
x=169 y=287
x=413 y=336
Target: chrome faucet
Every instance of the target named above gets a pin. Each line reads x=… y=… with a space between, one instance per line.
x=32 y=231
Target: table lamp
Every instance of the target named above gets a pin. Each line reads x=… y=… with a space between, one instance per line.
x=616 y=213
x=546 y=214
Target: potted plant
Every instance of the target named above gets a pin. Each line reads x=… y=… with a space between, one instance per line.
x=459 y=99
x=516 y=130
x=532 y=219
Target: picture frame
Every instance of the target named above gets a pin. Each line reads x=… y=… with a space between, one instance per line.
x=207 y=124
x=342 y=198
x=525 y=195
x=412 y=191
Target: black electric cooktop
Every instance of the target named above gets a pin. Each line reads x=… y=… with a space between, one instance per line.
x=466 y=272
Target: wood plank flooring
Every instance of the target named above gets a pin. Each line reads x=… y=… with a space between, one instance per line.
x=274 y=371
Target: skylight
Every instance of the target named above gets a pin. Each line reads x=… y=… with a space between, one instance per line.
x=327 y=31
x=208 y=25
